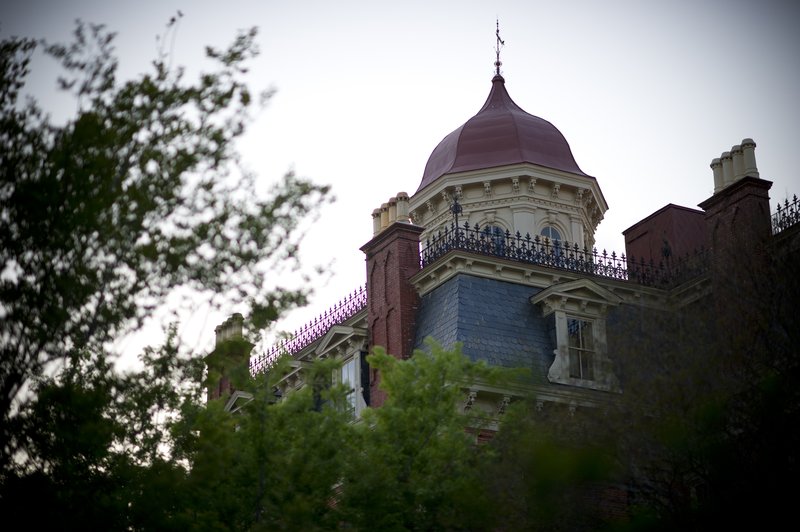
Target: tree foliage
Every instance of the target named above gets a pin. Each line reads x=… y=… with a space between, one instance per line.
x=302 y=464
x=417 y=465
x=707 y=426
x=141 y=192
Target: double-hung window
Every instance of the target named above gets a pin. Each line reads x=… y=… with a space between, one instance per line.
x=581 y=349
x=349 y=378
x=579 y=309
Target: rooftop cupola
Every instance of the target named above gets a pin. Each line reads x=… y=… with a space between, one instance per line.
x=512 y=171
x=500 y=134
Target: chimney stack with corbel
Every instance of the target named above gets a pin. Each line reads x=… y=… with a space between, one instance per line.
x=392 y=259
x=735 y=164
x=394 y=210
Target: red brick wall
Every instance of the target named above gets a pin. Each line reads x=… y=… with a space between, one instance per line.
x=737 y=227
x=738 y=230
x=738 y=217
x=392 y=301
x=681 y=228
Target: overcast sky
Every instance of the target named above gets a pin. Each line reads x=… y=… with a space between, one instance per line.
x=645 y=92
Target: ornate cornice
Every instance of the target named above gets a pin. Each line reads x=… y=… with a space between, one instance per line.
x=461 y=262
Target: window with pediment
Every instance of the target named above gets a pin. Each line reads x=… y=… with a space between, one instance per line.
x=578 y=309
x=346 y=344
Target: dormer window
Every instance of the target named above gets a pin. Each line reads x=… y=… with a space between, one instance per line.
x=579 y=310
x=348 y=344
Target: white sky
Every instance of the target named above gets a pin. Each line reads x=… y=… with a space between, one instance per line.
x=645 y=92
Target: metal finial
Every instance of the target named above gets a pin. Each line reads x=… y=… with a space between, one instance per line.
x=500 y=42
x=456 y=209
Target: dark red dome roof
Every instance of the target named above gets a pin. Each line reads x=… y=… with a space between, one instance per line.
x=500 y=134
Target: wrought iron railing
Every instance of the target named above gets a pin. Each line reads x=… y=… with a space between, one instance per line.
x=562 y=255
x=312 y=331
x=786 y=216
x=531 y=250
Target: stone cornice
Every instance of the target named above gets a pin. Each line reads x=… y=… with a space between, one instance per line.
x=460 y=262
x=520 y=202
x=518 y=177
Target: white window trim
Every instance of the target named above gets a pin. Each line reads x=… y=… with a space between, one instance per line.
x=583 y=353
x=603 y=374
x=581 y=299
x=359 y=404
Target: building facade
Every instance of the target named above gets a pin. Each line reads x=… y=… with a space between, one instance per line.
x=495 y=251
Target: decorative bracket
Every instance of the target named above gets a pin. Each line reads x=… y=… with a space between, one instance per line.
x=579 y=196
x=504 y=402
x=470 y=400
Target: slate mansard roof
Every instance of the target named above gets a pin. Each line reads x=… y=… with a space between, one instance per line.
x=494 y=320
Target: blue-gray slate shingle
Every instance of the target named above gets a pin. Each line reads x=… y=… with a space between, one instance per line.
x=494 y=320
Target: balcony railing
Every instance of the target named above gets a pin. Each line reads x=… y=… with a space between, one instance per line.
x=562 y=255
x=312 y=331
x=786 y=216
x=530 y=250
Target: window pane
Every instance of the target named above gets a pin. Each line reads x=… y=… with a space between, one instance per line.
x=588 y=341
x=348 y=379
x=574 y=365
x=349 y=372
x=587 y=365
x=575 y=328
x=551 y=233
x=581 y=349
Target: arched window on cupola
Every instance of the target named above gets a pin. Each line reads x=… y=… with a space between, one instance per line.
x=551 y=233
x=495 y=238
x=551 y=241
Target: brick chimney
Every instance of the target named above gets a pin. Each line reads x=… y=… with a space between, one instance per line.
x=737 y=215
x=231 y=352
x=392 y=259
x=738 y=231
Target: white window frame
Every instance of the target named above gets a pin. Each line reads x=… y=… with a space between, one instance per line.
x=355 y=394
x=351 y=366
x=585 y=301
x=551 y=229
x=581 y=348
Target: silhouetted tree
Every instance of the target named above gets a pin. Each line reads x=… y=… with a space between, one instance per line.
x=138 y=194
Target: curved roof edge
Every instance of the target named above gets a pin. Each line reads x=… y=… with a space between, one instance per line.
x=500 y=134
